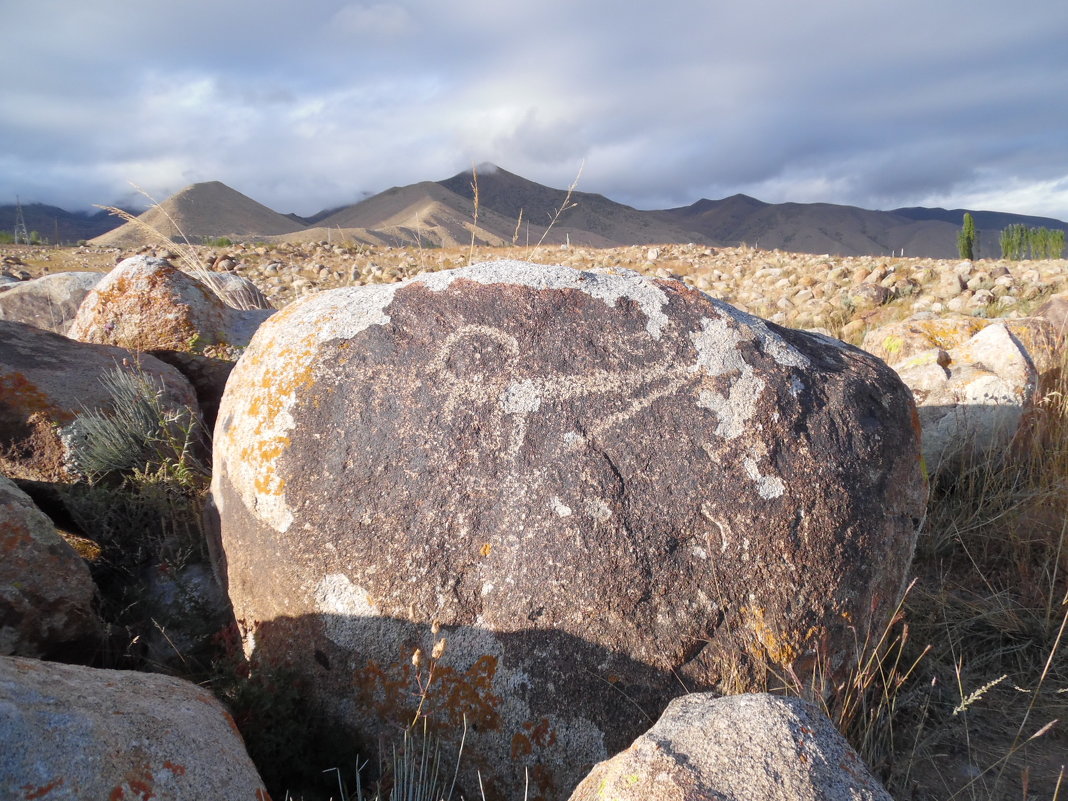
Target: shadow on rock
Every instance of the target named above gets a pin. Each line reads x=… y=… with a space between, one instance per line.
x=511 y=713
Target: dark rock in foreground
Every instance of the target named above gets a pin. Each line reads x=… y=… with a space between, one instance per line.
x=608 y=489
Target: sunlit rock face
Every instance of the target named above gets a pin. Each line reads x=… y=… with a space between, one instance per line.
x=607 y=488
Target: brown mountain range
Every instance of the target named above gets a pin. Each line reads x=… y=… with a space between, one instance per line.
x=512 y=209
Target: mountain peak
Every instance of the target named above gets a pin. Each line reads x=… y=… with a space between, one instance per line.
x=204 y=210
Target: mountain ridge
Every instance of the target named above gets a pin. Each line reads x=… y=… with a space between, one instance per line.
x=516 y=210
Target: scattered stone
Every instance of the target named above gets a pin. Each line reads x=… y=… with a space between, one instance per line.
x=46 y=594
x=897 y=343
x=974 y=406
x=74 y=732
x=49 y=302
x=1056 y=311
x=601 y=485
x=740 y=748
x=236 y=291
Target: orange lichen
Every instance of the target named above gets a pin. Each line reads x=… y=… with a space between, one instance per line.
x=139 y=781
x=486 y=549
x=781 y=648
x=19 y=392
x=451 y=697
x=33 y=793
x=539 y=734
x=521 y=745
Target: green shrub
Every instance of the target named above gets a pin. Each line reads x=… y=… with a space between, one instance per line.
x=140 y=433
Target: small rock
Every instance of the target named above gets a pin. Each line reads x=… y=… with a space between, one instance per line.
x=740 y=748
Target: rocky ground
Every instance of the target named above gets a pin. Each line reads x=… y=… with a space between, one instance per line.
x=986 y=613
x=844 y=295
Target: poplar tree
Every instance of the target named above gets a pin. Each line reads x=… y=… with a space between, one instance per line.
x=966 y=238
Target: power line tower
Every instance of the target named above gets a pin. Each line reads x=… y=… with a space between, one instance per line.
x=21 y=234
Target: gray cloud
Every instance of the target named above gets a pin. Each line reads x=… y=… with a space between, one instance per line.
x=306 y=106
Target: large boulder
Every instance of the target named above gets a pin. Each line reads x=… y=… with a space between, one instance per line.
x=605 y=487
x=148 y=304
x=742 y=748
x=48 y=302
x=77 y=733
x=47 y=382
x=974 y=400
x=46 y=593
x=899 y=343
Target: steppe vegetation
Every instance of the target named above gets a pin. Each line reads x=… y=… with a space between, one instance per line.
x=966 y=694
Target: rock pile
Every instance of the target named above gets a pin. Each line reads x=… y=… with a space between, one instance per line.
x=975 y=382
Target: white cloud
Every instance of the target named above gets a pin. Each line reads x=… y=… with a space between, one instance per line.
x=308 y=105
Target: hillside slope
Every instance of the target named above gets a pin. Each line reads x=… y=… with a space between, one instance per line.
x=202 y=211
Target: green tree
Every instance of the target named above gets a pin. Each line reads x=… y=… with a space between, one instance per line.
x=966 y=238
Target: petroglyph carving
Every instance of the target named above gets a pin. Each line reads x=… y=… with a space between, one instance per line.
x=461 y=372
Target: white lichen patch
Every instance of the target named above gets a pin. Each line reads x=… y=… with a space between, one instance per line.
x=718 y=355
x=603 y=285
x=598 y=509
x=558 y=506
x=342 y=603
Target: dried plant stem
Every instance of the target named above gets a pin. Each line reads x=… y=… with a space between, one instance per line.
x=567 y=204
x=474 y=221
x=186 y=252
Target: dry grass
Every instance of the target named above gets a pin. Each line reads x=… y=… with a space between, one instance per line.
x=966 y=694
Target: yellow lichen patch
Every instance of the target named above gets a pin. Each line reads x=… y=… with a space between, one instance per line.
x=921 y=359
x=485 y=549
x=780 y=647
x=947 y=334
x=892 y=344
x=266 y=383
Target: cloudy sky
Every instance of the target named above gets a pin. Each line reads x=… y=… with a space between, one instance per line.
x=314 y=104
